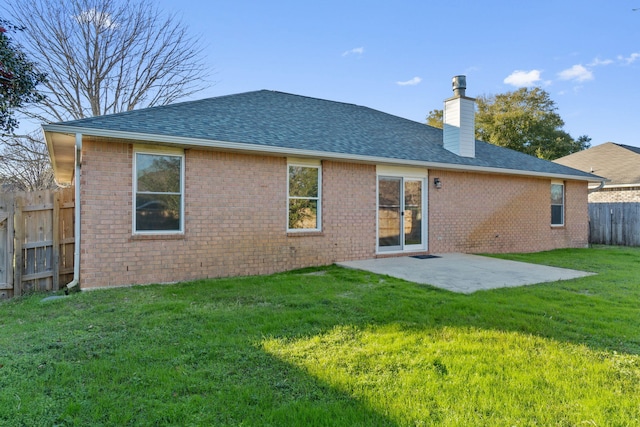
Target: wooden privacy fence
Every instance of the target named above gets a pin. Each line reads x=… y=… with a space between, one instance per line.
x=614 y=223
x=36 y=241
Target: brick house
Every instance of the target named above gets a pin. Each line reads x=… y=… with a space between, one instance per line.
x=264 y=181
x=619 y=163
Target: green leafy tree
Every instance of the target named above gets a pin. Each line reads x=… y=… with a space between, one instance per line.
x=435 y=118
x=524 y=120
x=18 y=80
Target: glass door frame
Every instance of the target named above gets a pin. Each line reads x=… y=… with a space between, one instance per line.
x=405 y=175
x=405 y=245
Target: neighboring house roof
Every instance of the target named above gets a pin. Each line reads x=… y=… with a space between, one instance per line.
x=620 y=164
x=279 y=123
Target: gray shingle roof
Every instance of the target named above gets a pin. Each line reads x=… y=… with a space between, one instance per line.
x=286 y=121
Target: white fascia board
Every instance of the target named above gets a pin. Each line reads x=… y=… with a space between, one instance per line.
x=293 y=152
x=622 y=185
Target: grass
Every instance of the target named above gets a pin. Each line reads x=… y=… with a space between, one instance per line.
x=331 y=347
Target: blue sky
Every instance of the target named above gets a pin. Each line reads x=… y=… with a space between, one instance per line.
x=399 y=57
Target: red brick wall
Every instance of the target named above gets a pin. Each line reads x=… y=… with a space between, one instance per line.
x=235 y=218
x=477 y=213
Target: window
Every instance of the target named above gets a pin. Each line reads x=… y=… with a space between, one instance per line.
x=304 y=198
x=557 y=204
x=158 y=193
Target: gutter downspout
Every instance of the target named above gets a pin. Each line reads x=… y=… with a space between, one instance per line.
x=599 y=187
x=76 y=230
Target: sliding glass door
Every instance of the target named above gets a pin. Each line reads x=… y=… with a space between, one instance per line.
x=400 y=214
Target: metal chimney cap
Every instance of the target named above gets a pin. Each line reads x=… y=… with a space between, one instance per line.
x=459 y=84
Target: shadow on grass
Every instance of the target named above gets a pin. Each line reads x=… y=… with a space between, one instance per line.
x=597 y=311
x=163 y=355
x=196 y=353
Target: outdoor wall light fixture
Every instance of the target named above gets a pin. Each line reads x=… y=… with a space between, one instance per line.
x=437 y=183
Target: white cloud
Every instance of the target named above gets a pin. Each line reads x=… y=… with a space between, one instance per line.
x=521 y=78
x=97 y=18
x=354 y=51
x=630 y=59
x=578 y=73
x=414 y=81
x=598 y=62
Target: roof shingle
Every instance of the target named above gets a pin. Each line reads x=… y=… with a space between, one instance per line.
x=616 y=162
x=287 y=121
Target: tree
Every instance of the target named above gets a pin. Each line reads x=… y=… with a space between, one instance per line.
x=105 y=56
x=525 y=120
x=18 y=80
x=109 y=56
x=435 y=118
x=25 y=166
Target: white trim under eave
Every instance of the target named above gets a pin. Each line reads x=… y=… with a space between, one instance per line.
x=54 y=165
x=292 y=152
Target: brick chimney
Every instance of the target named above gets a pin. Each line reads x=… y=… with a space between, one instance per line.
x=459 y=120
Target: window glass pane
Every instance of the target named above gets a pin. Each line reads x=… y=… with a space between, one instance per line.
x=389 y=226
x=412 y=212
x=303 y=181
x=157 y=212
x=556 y=215
x=412 y=194
x=557 y=191
x=156 y=173
x=389 y=214
x=389 y=191
x=303 y=214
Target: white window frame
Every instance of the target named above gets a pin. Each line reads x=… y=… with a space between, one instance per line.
x=306 y=163
x=157 y=151
x=561 y=183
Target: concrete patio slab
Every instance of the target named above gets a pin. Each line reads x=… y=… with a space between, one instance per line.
x=465 y=273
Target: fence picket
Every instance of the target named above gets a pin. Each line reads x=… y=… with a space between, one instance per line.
x=614 y=224
x=36 y=241
x=18 y=254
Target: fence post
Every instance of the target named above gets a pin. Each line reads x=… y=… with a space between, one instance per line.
x=6 y=245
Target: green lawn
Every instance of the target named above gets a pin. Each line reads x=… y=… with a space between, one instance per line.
x=331 y=347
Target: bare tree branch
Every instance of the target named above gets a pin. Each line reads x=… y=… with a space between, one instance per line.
x=24 y=164
x=108 y=56
x=100 y=57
